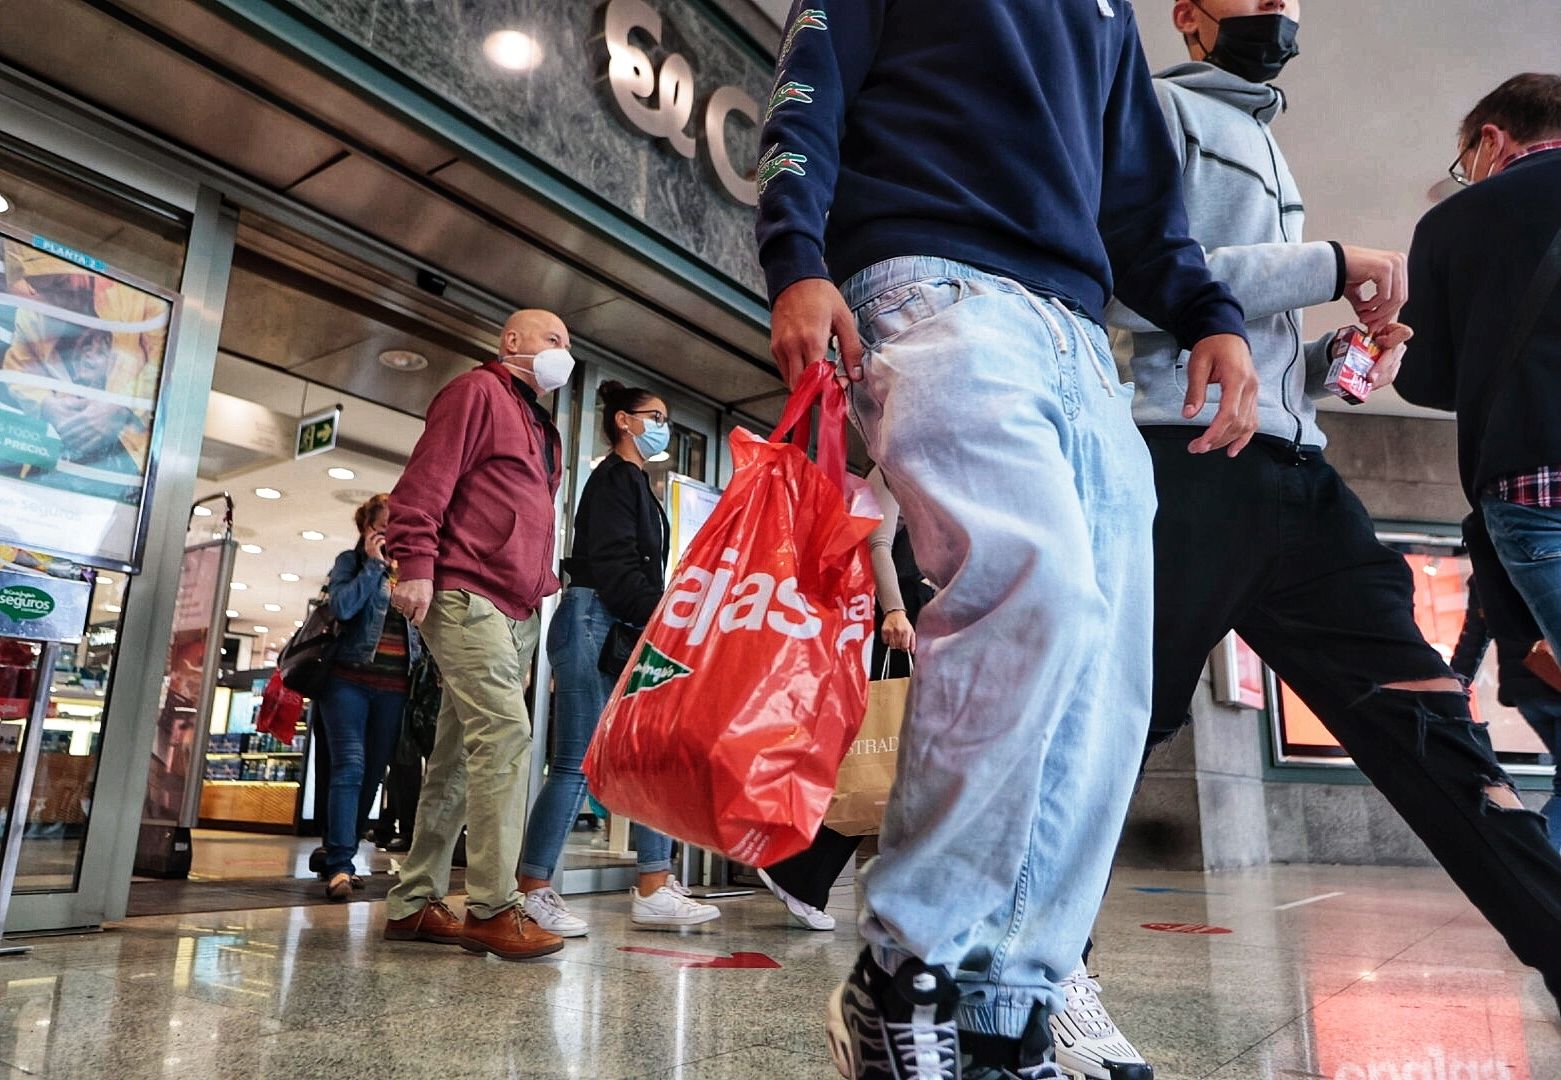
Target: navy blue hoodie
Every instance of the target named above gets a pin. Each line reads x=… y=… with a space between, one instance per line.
x=1020 y=136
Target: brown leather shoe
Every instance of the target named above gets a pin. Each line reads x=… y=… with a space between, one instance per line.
x=509 y=935
x=435 y=923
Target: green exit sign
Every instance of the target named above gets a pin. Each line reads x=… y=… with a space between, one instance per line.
x=317 y=434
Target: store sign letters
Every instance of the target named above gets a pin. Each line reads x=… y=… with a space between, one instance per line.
x=663 y=102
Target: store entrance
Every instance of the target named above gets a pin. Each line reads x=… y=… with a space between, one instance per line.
x=324 y=370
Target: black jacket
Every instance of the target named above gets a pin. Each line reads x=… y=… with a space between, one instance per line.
x=620 y=543
x=1472 y=260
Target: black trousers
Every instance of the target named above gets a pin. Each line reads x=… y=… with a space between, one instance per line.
x=1274 y=545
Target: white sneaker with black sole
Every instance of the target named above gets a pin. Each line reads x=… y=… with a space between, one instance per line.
x=802 y=913
x=669 y=907
x=895 y=1028
x=1089 y=1046
x=548 y=911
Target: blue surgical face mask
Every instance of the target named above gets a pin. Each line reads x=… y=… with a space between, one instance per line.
x=654 y=439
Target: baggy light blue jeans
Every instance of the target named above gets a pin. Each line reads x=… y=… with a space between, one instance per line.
x=580 y=693
x=997 y=418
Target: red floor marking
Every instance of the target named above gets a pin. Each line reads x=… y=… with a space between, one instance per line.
x=706 y=960
x=1185 y=928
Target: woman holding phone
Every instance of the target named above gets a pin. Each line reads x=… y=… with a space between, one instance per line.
x=367 y=693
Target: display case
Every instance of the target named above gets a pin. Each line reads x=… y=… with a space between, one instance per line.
x=252 y=779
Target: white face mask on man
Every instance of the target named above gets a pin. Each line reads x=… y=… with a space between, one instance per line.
x=550 y=368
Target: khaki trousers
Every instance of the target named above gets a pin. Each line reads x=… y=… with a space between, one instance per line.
x=481 y=764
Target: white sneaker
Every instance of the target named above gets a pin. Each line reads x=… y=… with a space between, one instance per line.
x=1089 y=1046
x=547 y=910
x=670 y=905
x=802 y=913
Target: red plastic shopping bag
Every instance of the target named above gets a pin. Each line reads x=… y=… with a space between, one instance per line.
x=750 y=680
x=280 y=710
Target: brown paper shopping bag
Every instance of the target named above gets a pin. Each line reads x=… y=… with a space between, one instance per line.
x=868 y=770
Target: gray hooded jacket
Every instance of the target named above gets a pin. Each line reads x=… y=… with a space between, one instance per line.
x=1244 y=209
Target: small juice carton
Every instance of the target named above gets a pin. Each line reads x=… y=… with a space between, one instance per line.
x=1354 y=355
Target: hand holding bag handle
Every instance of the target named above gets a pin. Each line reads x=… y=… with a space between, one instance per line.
x=818 y=387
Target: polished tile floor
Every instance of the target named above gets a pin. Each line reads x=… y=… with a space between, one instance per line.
x=1343 y=974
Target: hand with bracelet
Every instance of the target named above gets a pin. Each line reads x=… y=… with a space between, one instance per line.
x=897 y=631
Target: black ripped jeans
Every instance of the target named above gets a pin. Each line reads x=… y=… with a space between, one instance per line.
x=1274 y=545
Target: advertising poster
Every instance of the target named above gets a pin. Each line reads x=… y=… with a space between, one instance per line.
x=81 y=363
x=689 y=505
x=177 y=747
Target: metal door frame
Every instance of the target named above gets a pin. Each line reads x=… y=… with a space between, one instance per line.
x=109 y=844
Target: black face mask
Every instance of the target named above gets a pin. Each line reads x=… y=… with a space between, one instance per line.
x=1255 y=47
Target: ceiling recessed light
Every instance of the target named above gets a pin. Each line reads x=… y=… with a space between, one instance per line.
x=403 y=360
x=288 y=577
x=512 y=50
x=232 y=613
x=339 y=473
x=261 y=629
x=115 y=608
x=663 y=456
x=238 y=586
x=5 y=205
x=273 y=607
x=312 y=534
x=251 y=549
x=202 y=511
x=268 y=493
x=298 y=622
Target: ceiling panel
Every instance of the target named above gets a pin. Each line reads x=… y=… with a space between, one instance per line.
x=285 y=77
x=80 y=47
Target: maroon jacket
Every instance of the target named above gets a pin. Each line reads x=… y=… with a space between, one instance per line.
x=474 y=508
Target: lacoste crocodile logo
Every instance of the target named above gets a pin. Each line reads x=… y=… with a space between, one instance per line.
x=776 y=161
x=801 y=93
x=807 y=19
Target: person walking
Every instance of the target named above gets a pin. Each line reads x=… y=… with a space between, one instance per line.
x=1274 y=544
x=366 y=694
x=1485 y=302
x=471 y=527
x=954 y=198
x=616 y=570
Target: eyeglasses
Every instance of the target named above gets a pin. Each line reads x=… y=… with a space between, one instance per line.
x=655 y=414
x=1455 y=170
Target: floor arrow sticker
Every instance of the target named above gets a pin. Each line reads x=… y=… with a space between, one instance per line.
x=706 y=960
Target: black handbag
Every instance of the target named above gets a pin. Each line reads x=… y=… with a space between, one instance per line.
x=310 y=654
x=618 y=649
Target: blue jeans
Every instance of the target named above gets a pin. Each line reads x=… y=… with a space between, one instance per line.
x=361 y=728
x=580 y=693
x=999 y=424
x=1528 y=540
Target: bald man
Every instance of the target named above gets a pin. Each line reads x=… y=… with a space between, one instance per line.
x=471 y=532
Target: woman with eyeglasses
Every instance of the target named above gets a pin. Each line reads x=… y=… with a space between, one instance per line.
x=617 y=571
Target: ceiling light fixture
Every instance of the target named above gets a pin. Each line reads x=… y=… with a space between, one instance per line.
x=251 y=549
x=288 y=576
x=273 y=607
x=261 y=629
x=268 y=493
x=237 y=586
x=403 y=360
x=202 y=511
x=312 y=534
x=339 y=473
x=5 y=205
x=298 y=622
x=232 y=613
x=512 y=50
x=114 y=608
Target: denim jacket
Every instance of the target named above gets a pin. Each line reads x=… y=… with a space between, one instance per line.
x=359 y=598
